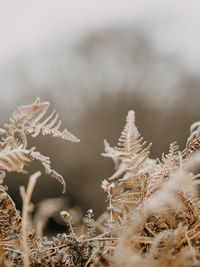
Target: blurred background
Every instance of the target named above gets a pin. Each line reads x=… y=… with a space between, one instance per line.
x=94 y=61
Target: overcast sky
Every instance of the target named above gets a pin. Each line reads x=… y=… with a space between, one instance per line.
x=28 y=25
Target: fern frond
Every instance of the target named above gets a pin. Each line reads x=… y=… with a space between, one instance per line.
x=9 y=217
x=119 y=172
x=27 y=120
x=136 y=162
x=14 y=160
x=130 y=153
x=49 y=126
x=171 y=158
x=191 y=203
x=27 y=112
x=193 y=141
x=129 y=157
x=45 y=161
x=130 y=133
x=168 y=164
x=112 y=153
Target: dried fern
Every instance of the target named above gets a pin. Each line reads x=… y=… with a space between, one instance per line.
x=167 y=165
x=29 y=119
x=129 y=157
x=193 y=142
x=153 y=213
x=166 y=223
x=9 y=217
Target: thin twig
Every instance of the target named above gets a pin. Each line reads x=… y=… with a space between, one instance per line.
x=26 y=197
x=103 y=239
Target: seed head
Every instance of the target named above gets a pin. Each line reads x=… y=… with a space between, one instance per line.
x=107 y=186
x=64 y=214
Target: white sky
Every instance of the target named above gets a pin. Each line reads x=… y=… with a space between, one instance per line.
x=26 y=25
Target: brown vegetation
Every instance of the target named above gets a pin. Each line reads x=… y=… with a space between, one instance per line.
x=152 y=216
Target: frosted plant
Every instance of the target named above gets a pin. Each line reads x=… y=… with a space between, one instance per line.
x=153 y=213
x=158 y=202
x=29 y=119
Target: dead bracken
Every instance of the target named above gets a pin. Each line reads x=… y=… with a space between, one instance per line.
x=153 y=212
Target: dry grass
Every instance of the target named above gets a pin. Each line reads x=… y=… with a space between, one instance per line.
x=153 y=212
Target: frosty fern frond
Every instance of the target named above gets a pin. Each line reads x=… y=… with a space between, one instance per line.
x=129 y=157
x=130 y=152
x=166 y=165
x=29 y=119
